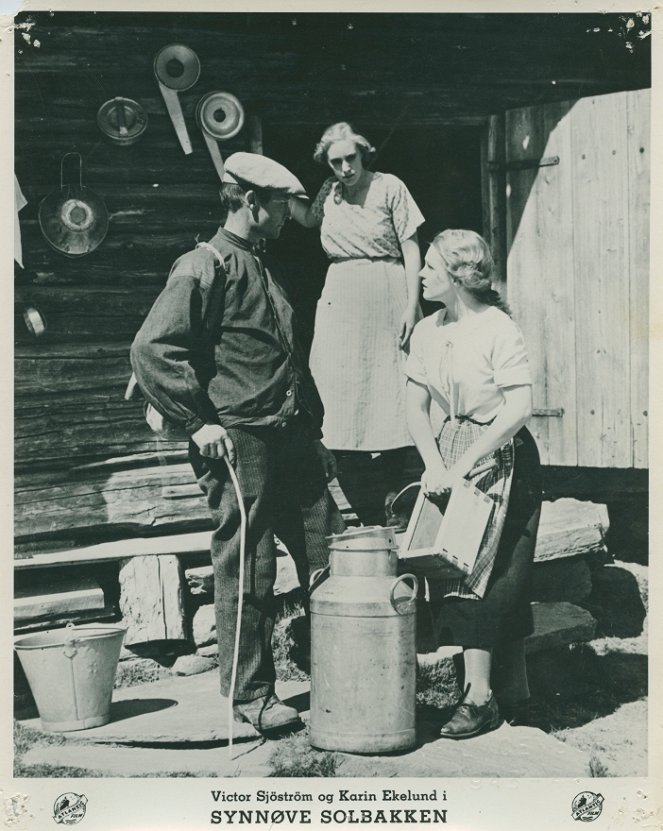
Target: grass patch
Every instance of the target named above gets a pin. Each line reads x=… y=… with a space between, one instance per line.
x=136 y=671
x=25 y=738
x=596 y=767
x=295 y=757
x=436 y=684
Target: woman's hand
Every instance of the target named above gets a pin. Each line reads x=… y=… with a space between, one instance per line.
x=408 y=320
x=437 y=479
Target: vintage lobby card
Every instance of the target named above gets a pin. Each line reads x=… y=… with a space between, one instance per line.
x=534 y=124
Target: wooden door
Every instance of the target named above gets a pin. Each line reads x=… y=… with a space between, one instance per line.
x=577 y=240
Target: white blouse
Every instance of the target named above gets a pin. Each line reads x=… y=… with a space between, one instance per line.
x=466 y=363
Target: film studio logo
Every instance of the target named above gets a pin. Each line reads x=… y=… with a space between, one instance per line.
x=69 y=808
x=587 y=806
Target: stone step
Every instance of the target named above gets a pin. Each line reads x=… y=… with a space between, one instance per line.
x=185 y=711
x=555 y=625
x=569 y=527
x=559 y=624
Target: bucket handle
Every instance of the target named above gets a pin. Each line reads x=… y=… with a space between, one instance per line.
x=70 y=641
x=415 y=590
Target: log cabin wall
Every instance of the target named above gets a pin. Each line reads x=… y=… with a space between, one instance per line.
x=87 y=468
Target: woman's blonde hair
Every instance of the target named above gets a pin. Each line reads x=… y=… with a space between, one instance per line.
x=468 y=260
x=342 y=131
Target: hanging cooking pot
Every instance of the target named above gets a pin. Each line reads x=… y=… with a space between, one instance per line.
x=123 y=120
x=73 y=219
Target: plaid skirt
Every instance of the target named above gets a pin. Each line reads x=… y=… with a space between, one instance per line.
x=455 y=437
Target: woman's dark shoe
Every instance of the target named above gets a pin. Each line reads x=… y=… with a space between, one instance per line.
x=472 y=719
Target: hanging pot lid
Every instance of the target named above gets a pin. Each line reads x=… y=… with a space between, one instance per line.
x=123 y=120
x=220 y=115
x=73 y=218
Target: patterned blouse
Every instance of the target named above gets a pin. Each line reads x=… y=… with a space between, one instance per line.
x=388 y=216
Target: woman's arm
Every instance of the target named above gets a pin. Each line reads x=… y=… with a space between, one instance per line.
x=513 y=415
x=417 y=407
x=412 y=263
x=301 y=211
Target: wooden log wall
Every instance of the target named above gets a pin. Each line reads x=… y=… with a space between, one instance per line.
x=87 y=467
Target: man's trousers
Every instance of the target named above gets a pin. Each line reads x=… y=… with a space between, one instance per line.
x=285 y=493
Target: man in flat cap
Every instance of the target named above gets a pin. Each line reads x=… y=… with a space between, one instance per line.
x=217 y=355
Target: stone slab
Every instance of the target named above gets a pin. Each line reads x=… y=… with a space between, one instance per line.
x=567 y=579
x=625 y=758
x=185 y=711
x=506 y=752
x=569 y=527
x=176 y=710
x=559 y=624
x=106 y=760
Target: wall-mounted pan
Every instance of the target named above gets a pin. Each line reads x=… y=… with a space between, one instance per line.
x=73 y=218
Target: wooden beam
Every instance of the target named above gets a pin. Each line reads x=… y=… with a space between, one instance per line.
x=180 y=544
x=152 y=600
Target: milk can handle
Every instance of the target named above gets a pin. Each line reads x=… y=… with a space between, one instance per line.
x=315 y=576
x=415 y=589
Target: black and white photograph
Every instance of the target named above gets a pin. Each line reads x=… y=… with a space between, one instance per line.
x=332 y=334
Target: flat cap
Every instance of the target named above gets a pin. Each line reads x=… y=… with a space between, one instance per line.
x=262 y=172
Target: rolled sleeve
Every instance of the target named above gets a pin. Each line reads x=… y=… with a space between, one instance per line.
x=510 y=362
x=405 y=212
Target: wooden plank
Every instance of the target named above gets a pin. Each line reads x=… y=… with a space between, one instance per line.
x=60 y=598
x=600 y=211
x=493 y=186
x=76 y=427
x=117 y=504
x=540 y=271
x=526 y=291
x=184 y=545
x=639 y=151
x=152 y=600
x=100 y=367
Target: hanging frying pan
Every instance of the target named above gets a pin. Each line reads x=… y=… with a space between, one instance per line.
x=73 y=219
x=220 y=116
x=177 y=69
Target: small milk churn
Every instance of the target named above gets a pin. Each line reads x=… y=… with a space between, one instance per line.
x=363 y=654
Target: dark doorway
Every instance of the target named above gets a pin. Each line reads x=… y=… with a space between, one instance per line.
x=440 y=166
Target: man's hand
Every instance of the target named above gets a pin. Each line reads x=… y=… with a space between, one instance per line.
x=214 y=442
x=327 y=459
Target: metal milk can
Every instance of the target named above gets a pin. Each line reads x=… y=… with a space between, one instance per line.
x=363 y=654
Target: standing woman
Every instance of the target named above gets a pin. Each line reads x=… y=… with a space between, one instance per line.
x=469 y=359
x=368 y=308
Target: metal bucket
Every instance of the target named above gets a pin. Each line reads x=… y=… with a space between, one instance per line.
x=363 y=653
x=71 y=673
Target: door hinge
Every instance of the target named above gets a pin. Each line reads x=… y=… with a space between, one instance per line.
x=548 y=412
x=524 y=164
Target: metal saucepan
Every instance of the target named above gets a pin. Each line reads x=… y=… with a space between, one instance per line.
x=123 y=120
x=73 y=218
